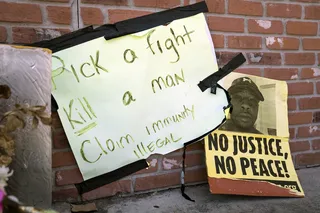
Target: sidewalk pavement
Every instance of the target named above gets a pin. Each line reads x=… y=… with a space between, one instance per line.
x=171 y=201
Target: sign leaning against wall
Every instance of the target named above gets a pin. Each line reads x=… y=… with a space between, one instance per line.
x=123 y=99
x=249 y=154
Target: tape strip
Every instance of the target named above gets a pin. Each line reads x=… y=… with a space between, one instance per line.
x=110 y=177
x=212 y=80
x=183 y=175
x=122 y=28
x=156 y=19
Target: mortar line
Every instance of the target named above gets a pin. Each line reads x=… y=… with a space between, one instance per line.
x=78 y=13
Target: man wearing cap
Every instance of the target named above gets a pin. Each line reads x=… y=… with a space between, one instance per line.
x=245 y=98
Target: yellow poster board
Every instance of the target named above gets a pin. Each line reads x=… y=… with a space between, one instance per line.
x=123 y=99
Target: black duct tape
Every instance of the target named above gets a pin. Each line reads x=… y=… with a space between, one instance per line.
x=110 y=31
x=182 y=188
x=64 y=41
x=160 y=18
x=122 y=28
x=96 y=182
x=212 y=80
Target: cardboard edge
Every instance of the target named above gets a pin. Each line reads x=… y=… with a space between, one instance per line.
x=249 y=188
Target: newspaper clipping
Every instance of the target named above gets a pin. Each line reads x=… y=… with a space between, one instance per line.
x=249 y=154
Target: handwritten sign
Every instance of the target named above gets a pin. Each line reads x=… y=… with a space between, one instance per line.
x=123 y=99
x=250 y=164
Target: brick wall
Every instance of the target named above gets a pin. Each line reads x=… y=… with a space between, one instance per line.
x=279 y=38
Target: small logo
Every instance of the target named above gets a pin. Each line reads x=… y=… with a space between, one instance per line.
x=247 y=79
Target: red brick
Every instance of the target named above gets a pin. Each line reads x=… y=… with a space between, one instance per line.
x=60 y=159
x=292 y=133
x=265 y=26
x=307 y=73
x=157 y=181
x=299 y=146
x=176 y=151
x=153 y=166
x=244 y=7
x=312 y=12
x=292 y=104
x=249 y=71
x=91 y=16
x=224 y=57
x=308 y=159
x=116 y=15
x=197 y=175
x=318 y=87
x=157 y=3
x=67 y=177
x=282 y=43
x=302 y=28
x=300 y=118
x=309 y=131
x=172 y=162
x=25 y=35
x=309 y=103
x=199 y=145
x=56 y=122
x=69 y=195
x=300 y=88
x=122 y=186
x=225 y=24
x=264 y=58
x=60 y=140
x=244 y=42
x=281 y=73
x=3 y=34
x=59 y=15
x=218 y=41
x=284 y=10
x=107 y=2
x=15 y=12
x=300 y=58
x=316 y=144
x=215 y=6
x=175 y=162
x=311 y=43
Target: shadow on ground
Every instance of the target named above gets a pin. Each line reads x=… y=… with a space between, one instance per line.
x=171 y=201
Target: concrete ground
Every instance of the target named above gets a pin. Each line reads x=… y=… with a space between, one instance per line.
x=171 y=201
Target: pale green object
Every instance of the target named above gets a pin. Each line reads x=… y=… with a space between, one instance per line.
x=4 y=176
x=114 y=112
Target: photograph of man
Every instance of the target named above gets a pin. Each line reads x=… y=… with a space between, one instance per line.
x=245 y=99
